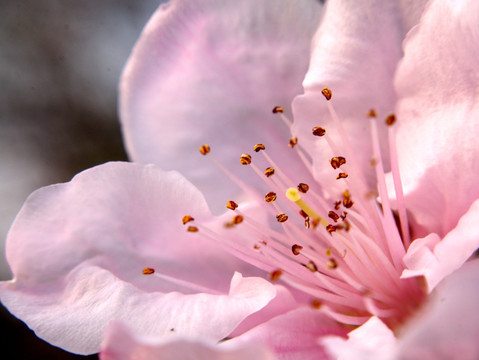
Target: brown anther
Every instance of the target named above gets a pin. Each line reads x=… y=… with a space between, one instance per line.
x=192 y=229
x=337 y=161
x=390 y=120
x=296 y=249
x=303 y=188
x=238 y=219
x=342 y=175
x=348 y=203
x=269 y=172
x=331 y=228
x=172 y=330
x=259 y=147
x=315 y=223
x=328 y=252
x=281 y=217
x=229 y=224
x=256 y=247
x=373 y=162
x=312 y=266
x=327 y=93
x=372 y=113
x=343 y=215
x=275 y=274
x=231 y=205
x=293 y=141
x=347 y=225
x=278 y=109
x=204 y=149
x=333 y=216
x=307 y=223
x=332 y=264
x=186 y=219
x=316 y=304
x=319 y=131
x=245 y=159
x=270 y=197
x=148 y=271
x=337 y=204
x=303 y=214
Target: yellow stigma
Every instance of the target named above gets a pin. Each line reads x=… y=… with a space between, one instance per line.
x=293 y=195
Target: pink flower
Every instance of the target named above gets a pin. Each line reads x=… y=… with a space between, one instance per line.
x=370 y=253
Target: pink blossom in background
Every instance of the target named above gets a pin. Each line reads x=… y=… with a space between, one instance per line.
x=374 y=266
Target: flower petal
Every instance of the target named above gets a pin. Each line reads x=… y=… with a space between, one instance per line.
x=448 y=255
x=355 y=53
x=371 y=341
x=448 y=327
x=438 y=114
x=294 y=335
x=211 y=71
x=77 y=251
x=121 y=344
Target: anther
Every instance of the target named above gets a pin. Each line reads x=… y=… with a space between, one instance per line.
x=390 y=120
x=269 y=172
x=337 y=204
x=245 y=159
x=296 y=249
x=238 y=219
x=302 y=187
x=337 y=161
x=312 y=266
x=270 y=197
x=342 y=175
x=319 y=131
x=204 y=149
x=327 y=93
x=347 y=202
x=275 y=275
x=331 y=228
x=278 y=109
x=292 y=142
x=186 y=219
x=303 y=214
x=372 y=113
x=231 y=205
x=192 y=229
x=281 y=217
x=148 y=271
x=333 y=216
x=332 y=264
x=259 y=147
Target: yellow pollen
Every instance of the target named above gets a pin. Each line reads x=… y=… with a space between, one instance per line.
x=293 y=195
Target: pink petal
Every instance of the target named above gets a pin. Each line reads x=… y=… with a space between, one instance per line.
x=211 y=71
x=438 y=114
x=371 y=341
x=294 y=335
x=437 y=259
x=77 y=251
x=121 y=344
x=449 y=326
x=355 y=53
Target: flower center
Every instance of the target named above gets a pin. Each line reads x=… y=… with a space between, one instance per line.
x=344 y=250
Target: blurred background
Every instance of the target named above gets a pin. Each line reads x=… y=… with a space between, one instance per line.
x=60 y=61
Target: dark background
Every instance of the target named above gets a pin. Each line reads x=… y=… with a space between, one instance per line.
x=60 y=61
